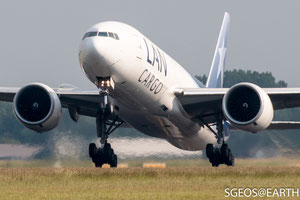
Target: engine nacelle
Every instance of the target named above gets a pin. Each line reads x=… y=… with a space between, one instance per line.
x=37 y=107
x=248 y=107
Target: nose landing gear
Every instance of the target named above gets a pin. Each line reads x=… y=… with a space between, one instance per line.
x=106 y=124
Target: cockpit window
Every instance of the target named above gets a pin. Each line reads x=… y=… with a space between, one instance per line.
x=111 y=35
x=103 y=34
x=116 y=36
x=89 y=34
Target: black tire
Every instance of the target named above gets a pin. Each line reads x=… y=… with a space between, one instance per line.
x=107 y=147
x=111 y=154
x=215 y=159
x=98 y=164
x=209 y=150
x=114 y=161
x=108 y=155
x=224 y=147
x=225 y=153
x=230 y=160
x=92 y=149
x=215 y=163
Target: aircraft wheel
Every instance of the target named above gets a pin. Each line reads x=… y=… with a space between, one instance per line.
x=225 y=153
x=92 y=149
x=107 y=147
x=230 y=161
x=114 y=161
x=98 y=164
x=209 y=150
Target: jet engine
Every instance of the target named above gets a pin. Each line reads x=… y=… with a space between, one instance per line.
x=37 y=107
x=248 y=107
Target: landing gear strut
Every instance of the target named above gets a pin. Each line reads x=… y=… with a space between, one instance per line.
x=220 y=153
x=105 y=126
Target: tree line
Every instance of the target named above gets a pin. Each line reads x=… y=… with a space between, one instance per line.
x=263 y=79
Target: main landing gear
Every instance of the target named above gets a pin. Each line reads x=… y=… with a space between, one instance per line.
x=106 y=124
x=217 y=155
x=220 y=153
x=103 y=155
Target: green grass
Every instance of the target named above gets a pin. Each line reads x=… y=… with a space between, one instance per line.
x=182 y=179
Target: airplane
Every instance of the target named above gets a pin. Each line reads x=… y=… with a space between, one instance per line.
x=140 y=86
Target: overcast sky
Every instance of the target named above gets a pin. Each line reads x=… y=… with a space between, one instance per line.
x=39 y=39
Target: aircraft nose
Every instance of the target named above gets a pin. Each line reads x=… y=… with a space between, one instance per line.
x=95 y=57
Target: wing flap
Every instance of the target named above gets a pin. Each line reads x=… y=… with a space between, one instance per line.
x=284 y=125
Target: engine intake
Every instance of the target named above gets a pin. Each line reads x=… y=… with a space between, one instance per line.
x=248 y=107
x=37 y=107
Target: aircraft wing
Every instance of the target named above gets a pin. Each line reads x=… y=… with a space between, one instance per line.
x=283 y=125
x=8 y=93
x=86 y=102
x=205 y=104
x=276 y=125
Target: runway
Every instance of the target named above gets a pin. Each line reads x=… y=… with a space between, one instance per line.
x=188 y=182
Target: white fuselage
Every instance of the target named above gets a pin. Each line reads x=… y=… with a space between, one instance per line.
x=145 y=78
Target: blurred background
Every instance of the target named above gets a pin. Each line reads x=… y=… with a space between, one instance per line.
x=40 y=40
